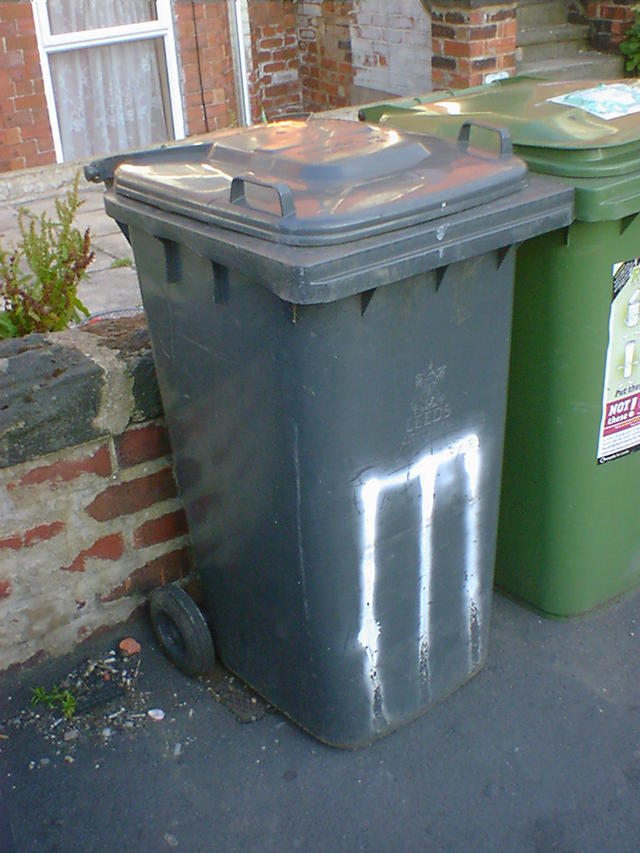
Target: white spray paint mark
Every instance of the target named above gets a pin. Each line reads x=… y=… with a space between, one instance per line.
x=472 y=573
x=425 y=470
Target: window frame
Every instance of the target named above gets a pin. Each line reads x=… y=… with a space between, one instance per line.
x=161 y=28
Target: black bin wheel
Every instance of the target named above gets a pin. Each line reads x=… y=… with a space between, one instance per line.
x=181 y=629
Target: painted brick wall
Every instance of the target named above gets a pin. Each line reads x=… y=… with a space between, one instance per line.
x=274 y=84
x=206 y=62
x=391 y=46
x=470 y=43
x=85 y=533
x=89 y=527
x=609 y=21
x=25 y=133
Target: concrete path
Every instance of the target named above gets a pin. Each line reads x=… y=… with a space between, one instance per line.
x=111 y=282
x=540 y=752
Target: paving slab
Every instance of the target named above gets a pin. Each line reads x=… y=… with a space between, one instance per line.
x=540 y=752
x=105 y=288
x=116 y=245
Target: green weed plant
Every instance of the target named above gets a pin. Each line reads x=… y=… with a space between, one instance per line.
x=55 y=699
x=39 y=277
x=630 y=47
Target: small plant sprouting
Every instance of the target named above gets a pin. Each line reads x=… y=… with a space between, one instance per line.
x=39 y=277
x=54 y=699
x=121 y=262
x=630 y=47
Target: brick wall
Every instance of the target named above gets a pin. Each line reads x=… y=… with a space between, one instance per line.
x=609 y=21
x=87 y=527
x=391 y=46
x=208 y=84
x=25 y=133
x=274 y=78
x=300 y=57
x=469 y=42
x=324 y=39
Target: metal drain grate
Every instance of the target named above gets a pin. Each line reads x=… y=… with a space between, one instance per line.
x=235 y=696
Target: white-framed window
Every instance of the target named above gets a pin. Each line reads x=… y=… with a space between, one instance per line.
x=110 y=74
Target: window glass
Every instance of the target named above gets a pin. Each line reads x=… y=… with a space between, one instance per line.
x=73 y=16
x=111 y=98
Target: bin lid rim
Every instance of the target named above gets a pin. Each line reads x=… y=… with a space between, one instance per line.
x=527 y=106
x=323 y=181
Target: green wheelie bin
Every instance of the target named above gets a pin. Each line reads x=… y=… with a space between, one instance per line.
x=569 y=537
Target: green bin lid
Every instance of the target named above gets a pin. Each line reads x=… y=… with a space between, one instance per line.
x=587 y=132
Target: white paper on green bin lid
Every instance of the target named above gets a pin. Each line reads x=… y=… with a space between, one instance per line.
x=607 y=101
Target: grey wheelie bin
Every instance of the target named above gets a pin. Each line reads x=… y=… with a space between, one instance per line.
x=329 y=306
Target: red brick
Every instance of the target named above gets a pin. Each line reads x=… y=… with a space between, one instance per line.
x=7 y=93
x=268 y=44
x=21 y=87
x=19 y=41
x=98 y=463
x=503 y=45
x=40 y=131
x=26 y=25
x=9 y=151
x=126 y=498
x=163 y=570
x=216 y=110
x=42 y=532
x=7 y=27
x=12 y=59
x=456 y=48
x=28 y=102
x=5 y=588
x=272 y=67
x=44 y=158
x=507 y=29
x=161 y=529
x=12 y=543
x=17 y=10
x=184 y=27
x=40 y=114
x=502 y=14
x=109 y=547
x=481 y=33
x=142 y=445
x=17 y=119
x=263 y=12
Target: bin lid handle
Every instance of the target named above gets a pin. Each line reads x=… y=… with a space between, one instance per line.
x=237 y=193
x=506 y=147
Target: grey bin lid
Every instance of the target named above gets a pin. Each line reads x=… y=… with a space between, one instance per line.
x=324 y=182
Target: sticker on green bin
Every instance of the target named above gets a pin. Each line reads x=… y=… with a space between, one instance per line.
x=608 y=101
x=620 y=425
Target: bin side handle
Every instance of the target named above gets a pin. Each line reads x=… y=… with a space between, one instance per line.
x=283 y=192
x=506 y=147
